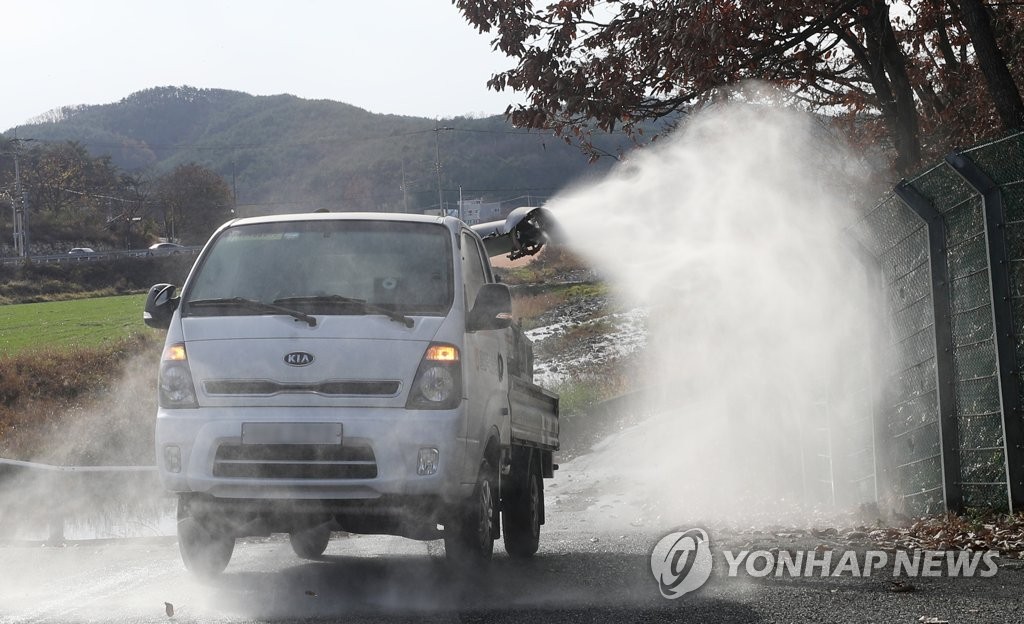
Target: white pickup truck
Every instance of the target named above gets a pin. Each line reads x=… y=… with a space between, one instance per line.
x=352 y=372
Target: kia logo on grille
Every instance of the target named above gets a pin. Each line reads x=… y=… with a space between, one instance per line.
x=298 y=358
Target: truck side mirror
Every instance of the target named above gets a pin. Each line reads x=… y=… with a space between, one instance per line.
x=492 y=308
x=160 y=306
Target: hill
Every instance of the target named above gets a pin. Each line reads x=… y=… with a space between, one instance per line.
x=285 y=153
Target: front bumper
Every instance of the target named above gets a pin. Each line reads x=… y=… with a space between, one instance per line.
x=395 y=437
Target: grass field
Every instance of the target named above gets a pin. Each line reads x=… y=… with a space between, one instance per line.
x=79 y=323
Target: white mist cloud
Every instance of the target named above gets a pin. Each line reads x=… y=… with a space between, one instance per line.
x=730 y=232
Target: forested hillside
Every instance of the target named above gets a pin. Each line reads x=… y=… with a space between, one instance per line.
x=286 y=153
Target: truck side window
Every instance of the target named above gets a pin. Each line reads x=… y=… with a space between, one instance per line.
x=472 y=268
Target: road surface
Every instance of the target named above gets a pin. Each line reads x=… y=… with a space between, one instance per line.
x=590 y=568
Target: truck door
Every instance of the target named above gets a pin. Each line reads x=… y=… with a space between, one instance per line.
x=486 y=383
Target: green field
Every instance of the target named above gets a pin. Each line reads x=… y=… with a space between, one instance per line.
x=75 y=324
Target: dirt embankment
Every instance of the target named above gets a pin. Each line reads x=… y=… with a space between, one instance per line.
x=588 y=345
x=82 y=406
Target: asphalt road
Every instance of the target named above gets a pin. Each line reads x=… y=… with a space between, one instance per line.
x=589 y=569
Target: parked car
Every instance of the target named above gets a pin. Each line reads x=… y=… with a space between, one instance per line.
x=166 y=248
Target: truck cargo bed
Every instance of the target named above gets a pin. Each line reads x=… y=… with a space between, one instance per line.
x=534 y=415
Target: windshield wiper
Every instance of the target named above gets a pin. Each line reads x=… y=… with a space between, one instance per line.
x=394 y=315
x=252 y=304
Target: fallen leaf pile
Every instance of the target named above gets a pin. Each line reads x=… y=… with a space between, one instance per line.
x=1001 y=532
x=983 y=532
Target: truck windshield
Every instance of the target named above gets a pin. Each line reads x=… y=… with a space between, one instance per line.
x=326 y=267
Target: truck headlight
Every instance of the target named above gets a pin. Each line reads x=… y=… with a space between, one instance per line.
x=438 y=382
x=175 y=387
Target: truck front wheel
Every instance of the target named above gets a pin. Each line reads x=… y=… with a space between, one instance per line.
x=524 y=509
x=470 y=538
x=204 y=550
x=310 y=543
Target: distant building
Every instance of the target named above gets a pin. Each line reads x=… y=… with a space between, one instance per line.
x=478 y=211
x=449 y=211
x=473 y=211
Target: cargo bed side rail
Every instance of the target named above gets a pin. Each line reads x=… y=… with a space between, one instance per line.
x=534 y=415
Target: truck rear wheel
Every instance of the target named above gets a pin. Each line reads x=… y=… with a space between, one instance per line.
x=205 y=551
x=312 y=542
x=470 y=539
x=523 y=510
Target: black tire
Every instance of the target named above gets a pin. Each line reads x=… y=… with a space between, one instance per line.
x=523 y=510
x=312 y=542
x=470 y=538
x=205 y=551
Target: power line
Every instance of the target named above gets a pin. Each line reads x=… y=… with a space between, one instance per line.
x=93 y=195
x=521 y=189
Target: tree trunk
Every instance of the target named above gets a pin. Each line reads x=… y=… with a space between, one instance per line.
x=1001 y=86
x=892 y=85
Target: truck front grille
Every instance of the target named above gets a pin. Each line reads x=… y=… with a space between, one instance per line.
x=263 y=387
x=295 y=461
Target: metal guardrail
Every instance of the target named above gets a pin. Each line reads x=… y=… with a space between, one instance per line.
x=78 y=469
x=99 y=255
x=52 y=495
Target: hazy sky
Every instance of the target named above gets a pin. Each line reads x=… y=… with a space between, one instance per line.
x=410 y=57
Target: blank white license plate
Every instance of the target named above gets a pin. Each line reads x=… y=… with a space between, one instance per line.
x=291 y=433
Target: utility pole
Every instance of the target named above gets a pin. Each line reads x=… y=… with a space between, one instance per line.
x=405 y=190
x=20 y=215
x=13 y=207
x=15 y=216
x=437 y=165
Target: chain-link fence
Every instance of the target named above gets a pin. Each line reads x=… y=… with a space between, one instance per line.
x=950 y=247
x=834 y=428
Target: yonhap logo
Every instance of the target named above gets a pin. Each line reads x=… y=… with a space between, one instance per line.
x=681 y=562
x=298 y=358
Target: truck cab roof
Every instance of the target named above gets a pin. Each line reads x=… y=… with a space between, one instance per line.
x=451 y=222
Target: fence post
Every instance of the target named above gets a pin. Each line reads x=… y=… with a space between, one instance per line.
x=881 y=457
x=949 y=438
x=1002 y=317
x=56 y=523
